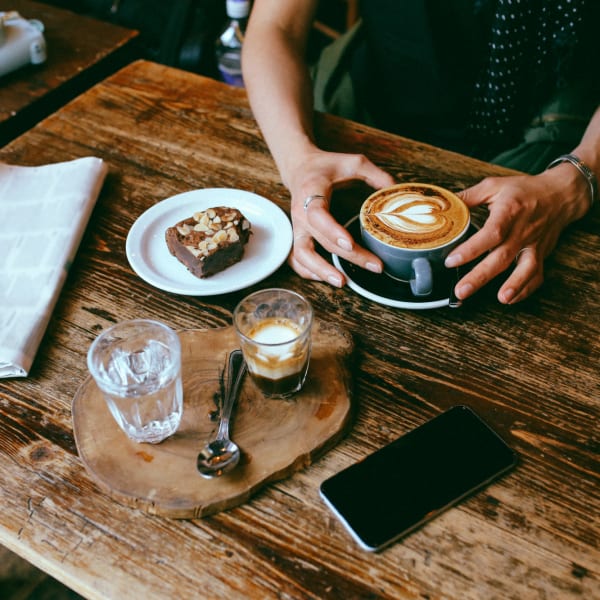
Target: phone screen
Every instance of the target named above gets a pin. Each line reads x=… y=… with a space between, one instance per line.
x=397 y=488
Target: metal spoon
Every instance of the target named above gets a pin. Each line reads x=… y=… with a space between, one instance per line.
x=221 y=454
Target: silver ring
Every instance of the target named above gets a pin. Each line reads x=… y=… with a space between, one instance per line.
x=521 y=252
x=309 y=199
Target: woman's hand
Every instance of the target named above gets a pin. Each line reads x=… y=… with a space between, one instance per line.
x=527 y=214
x=315 y=177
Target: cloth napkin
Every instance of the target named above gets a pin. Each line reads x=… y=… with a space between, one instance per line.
x=43 y=214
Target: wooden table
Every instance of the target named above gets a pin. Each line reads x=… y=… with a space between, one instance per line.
x=81 y=51
x=531 y=370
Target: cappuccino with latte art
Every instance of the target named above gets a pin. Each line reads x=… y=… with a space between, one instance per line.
x=414 y=215
x=412 y=227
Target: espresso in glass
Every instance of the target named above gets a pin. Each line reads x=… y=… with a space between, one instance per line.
x=274 y=329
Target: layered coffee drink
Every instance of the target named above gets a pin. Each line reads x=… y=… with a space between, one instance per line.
x=274 y=329
x=277 y=356
x=414 y=216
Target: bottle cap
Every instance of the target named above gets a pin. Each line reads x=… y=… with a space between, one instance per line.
x=238 y=9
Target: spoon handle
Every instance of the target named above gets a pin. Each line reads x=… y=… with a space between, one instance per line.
x=235 y=371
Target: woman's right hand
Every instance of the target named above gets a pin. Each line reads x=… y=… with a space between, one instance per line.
x=315 y=176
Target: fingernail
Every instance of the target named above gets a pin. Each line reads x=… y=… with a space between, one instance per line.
x=506 y=296
x=453 y=260
x=333 y=280
x=464 y=291
x=344 y=244
x=374 y=267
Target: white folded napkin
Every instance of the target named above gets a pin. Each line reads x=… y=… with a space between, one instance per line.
x=43 y=214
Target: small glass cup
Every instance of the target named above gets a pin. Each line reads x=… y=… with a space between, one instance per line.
x=274 y=328
x=137 y=366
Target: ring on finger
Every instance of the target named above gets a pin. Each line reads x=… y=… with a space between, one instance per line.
x=302 y=236
x=310 y=198
x=521 y=251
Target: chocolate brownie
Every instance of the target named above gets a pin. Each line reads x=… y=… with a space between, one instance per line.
x=210 y=240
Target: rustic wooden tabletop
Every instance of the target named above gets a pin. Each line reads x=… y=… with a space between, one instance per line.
x=530 y=370
x=80 y=51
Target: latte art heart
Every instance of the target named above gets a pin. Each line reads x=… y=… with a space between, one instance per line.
x=416 y=216
x=413 y=214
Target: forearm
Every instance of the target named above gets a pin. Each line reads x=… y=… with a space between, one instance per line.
x=278 y=81
x=588 y=149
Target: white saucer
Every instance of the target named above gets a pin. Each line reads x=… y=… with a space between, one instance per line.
x=268 y=247
x=386 y=290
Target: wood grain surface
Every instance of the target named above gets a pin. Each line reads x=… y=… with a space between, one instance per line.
x=80 y=52
x=276 y=437
x=530 y=370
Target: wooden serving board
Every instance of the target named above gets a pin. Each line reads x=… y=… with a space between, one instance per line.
x=276 y=437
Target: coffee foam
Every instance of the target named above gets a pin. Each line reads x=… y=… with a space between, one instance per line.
x=274 y=331
x=277 y=351
x=418 y=216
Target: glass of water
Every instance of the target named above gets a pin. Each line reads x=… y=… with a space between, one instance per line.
x=137 y=366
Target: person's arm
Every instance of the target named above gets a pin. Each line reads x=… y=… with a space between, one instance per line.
x=277 y=78
x=527 y=214
x=280 y=92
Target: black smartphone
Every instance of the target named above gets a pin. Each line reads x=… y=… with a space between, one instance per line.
x=393 y=491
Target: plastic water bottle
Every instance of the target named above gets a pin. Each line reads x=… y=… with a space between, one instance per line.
x=229 y=43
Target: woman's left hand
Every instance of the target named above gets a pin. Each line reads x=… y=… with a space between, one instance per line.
x=527 y=214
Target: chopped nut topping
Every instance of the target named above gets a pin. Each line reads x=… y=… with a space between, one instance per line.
x=220 y=236
x=211 y=238
x=194 y=251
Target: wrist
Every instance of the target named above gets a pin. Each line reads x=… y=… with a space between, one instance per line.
x=584 y=173
x=294 y=159
x=569 y=190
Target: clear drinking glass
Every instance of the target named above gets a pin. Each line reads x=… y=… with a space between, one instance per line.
x=274 y=328
x=137 y=366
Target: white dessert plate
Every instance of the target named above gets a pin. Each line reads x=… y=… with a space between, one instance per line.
x=386 y=290
x=268 y=247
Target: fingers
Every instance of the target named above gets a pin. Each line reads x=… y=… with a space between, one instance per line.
x=371 y=174
x=495 y=234
x=520 y=231
x=309 y=264
x=330 y=234
x=334 y=238
x=525 y=279
x=493 y=242
x=313 y=223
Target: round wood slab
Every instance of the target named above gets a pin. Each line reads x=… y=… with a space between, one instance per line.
x=277 y=437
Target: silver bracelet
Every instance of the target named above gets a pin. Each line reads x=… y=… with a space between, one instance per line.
x=584 y=170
